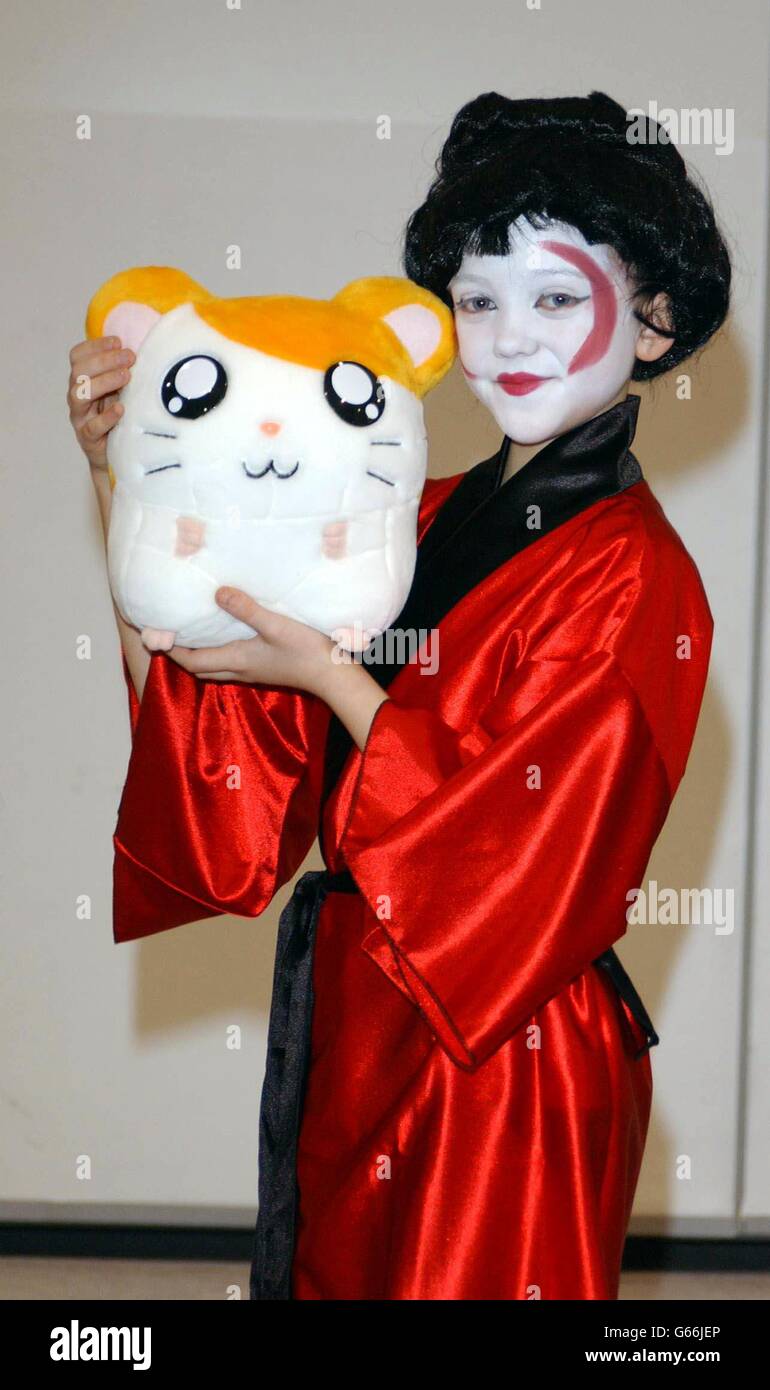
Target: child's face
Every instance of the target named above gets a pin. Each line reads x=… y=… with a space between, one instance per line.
x=554 y=310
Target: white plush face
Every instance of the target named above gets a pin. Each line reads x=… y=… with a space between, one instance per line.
x=547 y=336
x=220 y=430
x=298 y=485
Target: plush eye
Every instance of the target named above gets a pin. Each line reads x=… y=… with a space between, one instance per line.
x=354 y=393
x=193 y=386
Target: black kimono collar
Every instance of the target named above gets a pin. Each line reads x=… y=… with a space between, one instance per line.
x=578 y=468
x=484 y=522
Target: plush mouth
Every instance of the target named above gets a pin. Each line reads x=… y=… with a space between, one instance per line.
x=269 y=467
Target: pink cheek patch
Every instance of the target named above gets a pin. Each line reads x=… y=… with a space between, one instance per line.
x=190 y=535
x=334 y=538
x=598 y=340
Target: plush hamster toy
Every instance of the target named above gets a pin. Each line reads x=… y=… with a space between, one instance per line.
x=276 y=444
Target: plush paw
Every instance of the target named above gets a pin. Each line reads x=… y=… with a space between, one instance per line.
x=352 y=639
x=190 y=535
x=334 y=540
x=158 y=639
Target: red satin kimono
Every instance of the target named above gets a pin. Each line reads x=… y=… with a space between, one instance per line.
x=478 y=1095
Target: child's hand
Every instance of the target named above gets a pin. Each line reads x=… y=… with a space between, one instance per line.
x=105 y=367
x=283 y=651
x=287 y=652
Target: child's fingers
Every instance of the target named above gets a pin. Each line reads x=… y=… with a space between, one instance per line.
x=100 y=422
x=207 y=661
x=218 y=676
x=98 y=386
x=91 y=345
x=94 y=360
x=93 y=364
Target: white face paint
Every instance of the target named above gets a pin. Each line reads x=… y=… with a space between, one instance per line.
x=556 y=314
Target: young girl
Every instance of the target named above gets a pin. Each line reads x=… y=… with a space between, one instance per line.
x=458 y=1079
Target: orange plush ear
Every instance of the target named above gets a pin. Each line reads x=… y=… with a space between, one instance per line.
x=423 y=324
x=131 y=303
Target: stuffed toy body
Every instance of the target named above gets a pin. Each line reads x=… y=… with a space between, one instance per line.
x=275 y=444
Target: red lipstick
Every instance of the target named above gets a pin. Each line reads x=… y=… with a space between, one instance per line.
x=520 y=383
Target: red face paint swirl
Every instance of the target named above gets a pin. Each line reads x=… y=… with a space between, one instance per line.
x=598 y=340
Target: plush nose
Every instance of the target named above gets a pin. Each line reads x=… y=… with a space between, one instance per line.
x=270 y=427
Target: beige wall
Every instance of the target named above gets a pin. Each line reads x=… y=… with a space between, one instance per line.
x=256 y=126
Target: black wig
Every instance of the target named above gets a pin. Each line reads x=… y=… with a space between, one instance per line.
x=569 y=159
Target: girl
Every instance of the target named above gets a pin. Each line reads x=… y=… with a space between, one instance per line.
x=458 y=1078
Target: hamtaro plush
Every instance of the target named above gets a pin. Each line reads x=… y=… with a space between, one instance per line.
x=276 y=444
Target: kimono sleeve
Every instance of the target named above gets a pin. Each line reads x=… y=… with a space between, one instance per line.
x=497 y=859
x=221 y=798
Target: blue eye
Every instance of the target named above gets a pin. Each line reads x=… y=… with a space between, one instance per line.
x=193 y=386
x=567 y=300
x=474 y=300
x=354 y=393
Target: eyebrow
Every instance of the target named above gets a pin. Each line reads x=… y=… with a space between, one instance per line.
x=560 y=270
x=546 y=270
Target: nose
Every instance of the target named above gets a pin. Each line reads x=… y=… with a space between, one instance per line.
x=270 y=426
x=513 y=336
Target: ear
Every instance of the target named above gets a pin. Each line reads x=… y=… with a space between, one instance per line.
x=653 y=342
x=133 y=301
x=423 y=325
x=418 y=328
x=427 y=331
x=130 y=322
